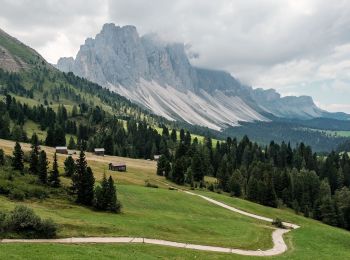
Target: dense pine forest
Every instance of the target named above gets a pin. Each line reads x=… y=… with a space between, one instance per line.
x=274 y=175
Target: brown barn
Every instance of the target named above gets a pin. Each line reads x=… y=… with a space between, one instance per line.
x=62 y=149
x=99 y=151
x=120 y=167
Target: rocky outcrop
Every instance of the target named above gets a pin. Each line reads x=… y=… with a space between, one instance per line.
x=159 y=76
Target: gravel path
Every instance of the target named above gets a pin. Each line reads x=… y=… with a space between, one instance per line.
x=277 y=237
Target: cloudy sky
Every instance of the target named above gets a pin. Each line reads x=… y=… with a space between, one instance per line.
x=297 y=47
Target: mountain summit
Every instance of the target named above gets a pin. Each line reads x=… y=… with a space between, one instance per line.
x=159 y=76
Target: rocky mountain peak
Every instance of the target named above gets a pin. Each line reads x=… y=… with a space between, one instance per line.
x=159 y=76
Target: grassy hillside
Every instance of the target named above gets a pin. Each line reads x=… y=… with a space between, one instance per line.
x=172 y=215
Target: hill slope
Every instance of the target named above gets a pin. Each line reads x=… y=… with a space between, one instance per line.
x=171 y=215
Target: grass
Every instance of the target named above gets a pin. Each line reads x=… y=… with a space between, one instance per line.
x=103 y=251
x=154 y=213
x=313 y=240
x=172 y=215
x=332 y=132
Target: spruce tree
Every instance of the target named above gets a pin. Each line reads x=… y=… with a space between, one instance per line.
x=69 y=166
x=178 y=175
x=54 y=178
x=2 y=157
x=101 y=194
x=197 y=167
x=71 y=144
x=88 y=190
x=163 y=166
x=173 y=135
x=34 y=155
x=42 y=167
x=83 y=181
x=113 y=203
x=17 y=160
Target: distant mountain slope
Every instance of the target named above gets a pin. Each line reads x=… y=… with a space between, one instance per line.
x=159 y=76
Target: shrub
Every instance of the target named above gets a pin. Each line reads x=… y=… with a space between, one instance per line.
x=16 y=194
x=47 y=229
x=5 y=186
x=36 y=192
x=22 y=220
x=278 y=223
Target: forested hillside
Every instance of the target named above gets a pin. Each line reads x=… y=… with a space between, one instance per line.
x=273 y=175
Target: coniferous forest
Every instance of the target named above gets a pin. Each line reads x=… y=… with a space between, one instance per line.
x=274 y=175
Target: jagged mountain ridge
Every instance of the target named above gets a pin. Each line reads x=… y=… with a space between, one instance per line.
x=159 y=76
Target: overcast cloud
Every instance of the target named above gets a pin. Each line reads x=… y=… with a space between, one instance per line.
x=297 y=47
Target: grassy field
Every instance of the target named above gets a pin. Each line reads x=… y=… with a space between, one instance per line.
x=333 y=133
x=171 y=215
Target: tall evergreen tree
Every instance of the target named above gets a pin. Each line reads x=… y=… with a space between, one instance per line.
x=173 y=135
x=83 y=181
x=34 y=154
x=42 y=167
x=113 y=203
x=2 y=157
x=17 y=160
x=54 y=178
x=69 y=166
x=178 y=171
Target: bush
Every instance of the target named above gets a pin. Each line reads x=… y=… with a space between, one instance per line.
x=16 y=194
x=22 y=220
x=36 y=192
x=5 y=186
x=278 y=223
x=47 y=229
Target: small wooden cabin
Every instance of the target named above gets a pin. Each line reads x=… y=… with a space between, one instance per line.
x=120 y=167
x=99 y=151
x=62 y=149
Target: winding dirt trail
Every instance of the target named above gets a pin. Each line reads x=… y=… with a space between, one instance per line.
x=277 y=237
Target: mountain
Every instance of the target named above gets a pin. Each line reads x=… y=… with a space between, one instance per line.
x=159 y=76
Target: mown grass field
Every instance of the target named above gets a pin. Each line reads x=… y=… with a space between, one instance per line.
x=171 y=215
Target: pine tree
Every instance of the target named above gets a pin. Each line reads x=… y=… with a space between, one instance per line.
x=163 y=166
x=71 y=144
x=17 y=160
x=2 y=157
x=42 y=167
x=113 y=203
x=197 y=167
x=50 y=137
x=178 y=171
x=69 y=166
x=89 y=182
x=34 y=155
x=173 y=135
x=54 y=178
x=101 y=195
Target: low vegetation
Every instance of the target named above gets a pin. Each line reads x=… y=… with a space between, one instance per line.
x=23 y=222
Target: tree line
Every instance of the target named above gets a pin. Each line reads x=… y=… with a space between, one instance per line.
x=273 y=175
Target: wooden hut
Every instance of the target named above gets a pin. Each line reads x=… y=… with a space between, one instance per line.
x=120 y=167
x=99 y=151
x=62 y=149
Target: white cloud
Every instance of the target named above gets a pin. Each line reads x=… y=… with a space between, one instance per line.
x=295 y=46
